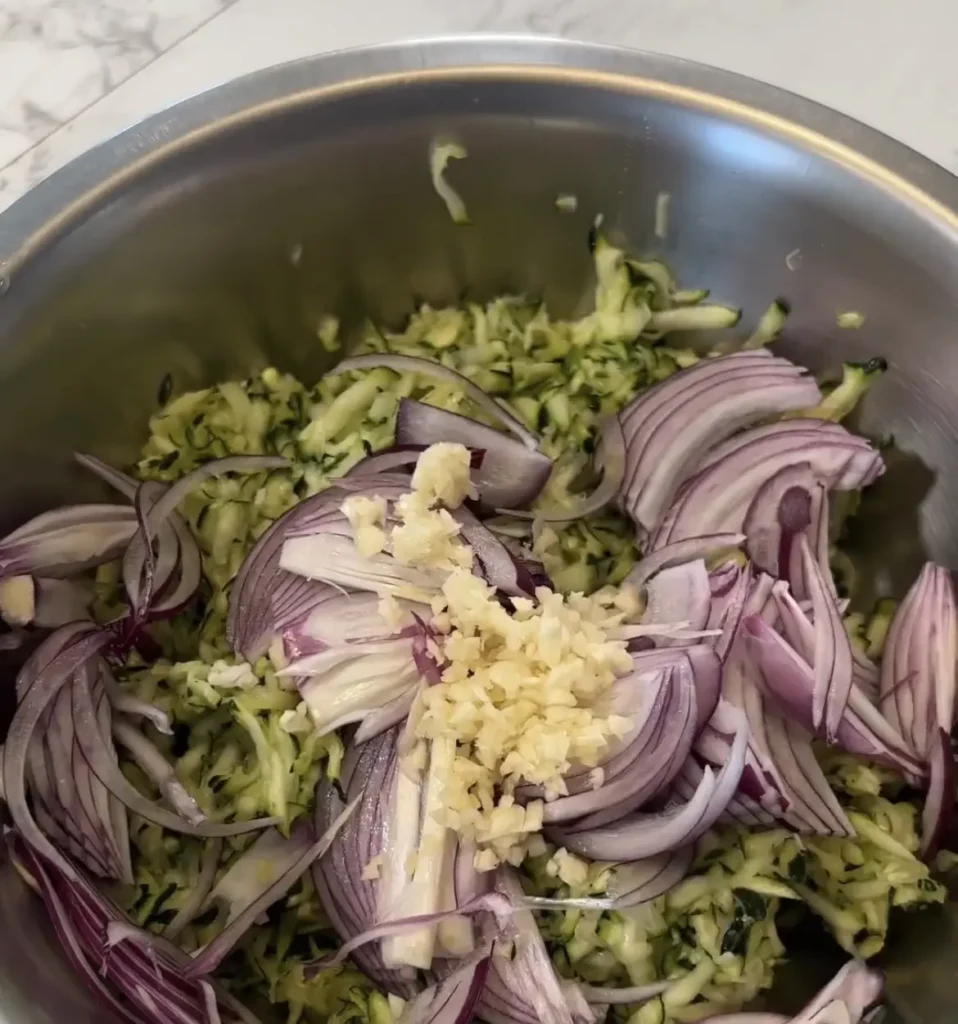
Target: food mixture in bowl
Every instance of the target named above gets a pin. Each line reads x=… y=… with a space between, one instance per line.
x=512 y=672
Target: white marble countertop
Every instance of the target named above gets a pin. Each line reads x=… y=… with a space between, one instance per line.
x=74 y=72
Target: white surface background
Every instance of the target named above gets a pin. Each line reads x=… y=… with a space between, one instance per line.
x=74 y=72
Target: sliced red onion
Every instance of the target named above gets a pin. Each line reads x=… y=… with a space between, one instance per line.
x=182 y=583
x=939 y=809
x=345 y=684
x=657 y=748
x=46 y=672
x=511 y=474
x=793 y=564
x=646 y=835
x=493 y=562
x=857 y=987
x=788 y=677
x=285 y=867
x=742 y=809
x=399 y=458
x=348 y=898
x=67 y=541
x=330 y=556
x=494 y=903
x=669 y=427
x=862 y=730
x=264 y=595
x=118 y=480
x=917 y=684
x=832 y=651
x=384 y=718
x=728 y=606
x=779 y=510
x=452 y=1000
x=138 y=976
x=128 y=704
x=609 y=461
x=156 y=767
x=637 y=882
x=679 y=553
x=315 y=539
x=527 y=982
x=718 y=497
x=812 y=803
x=429 y=368
x=680 y=594
x=159 y=506
x=69 y=803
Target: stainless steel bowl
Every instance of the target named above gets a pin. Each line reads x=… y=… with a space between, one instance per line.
x=169 y=250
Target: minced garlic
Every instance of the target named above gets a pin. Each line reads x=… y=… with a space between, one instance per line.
x=442 y=475
x=523 y=690
x=367 y=517
x=426 y=536
x=520 y=693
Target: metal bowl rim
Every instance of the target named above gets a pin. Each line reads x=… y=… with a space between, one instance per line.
x=59 y=202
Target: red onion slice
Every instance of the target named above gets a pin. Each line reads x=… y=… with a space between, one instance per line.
x=47 y=671
x=726 y=609
x=138 y=976
x=679 y=553
x=636 y=882
x=939 y=809
x=118 y=480
x=668 y=428
x=130 y=705
x=156 y=767
x=680 y=594
x=527 y=980
x=349 y=899
x=832 y=653
x=718 y=497
x=917 y=684
x=494 y=903
x=857 y=986
x=345 y=684
x=285 y=868
x=412 y=364
x=863 y=730
x=770 y=522
x=610 y=462
x=788 y=677
x=646 y=766
x=646 y=835
x=511 y=474
x=67 y=541
x=812 y=803
x=742 y=809
x=452 y=1000
x=383 y=719
x=160 y=506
